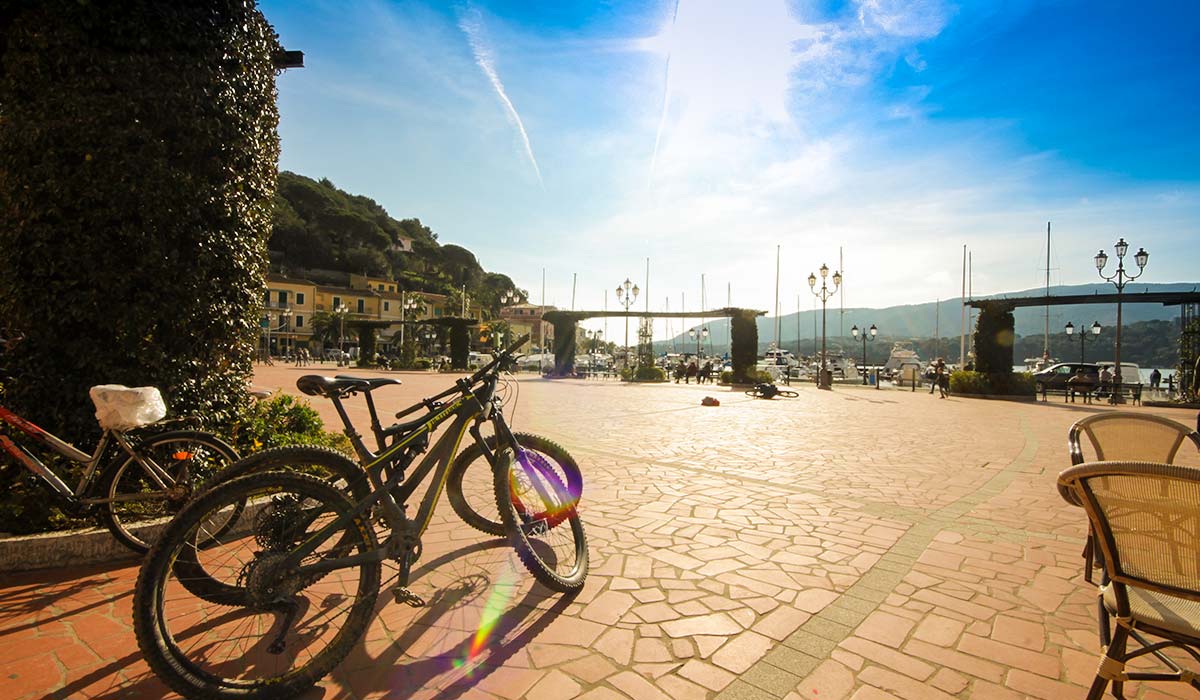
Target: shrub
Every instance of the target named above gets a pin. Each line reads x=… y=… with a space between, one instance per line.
x=422 y=363
x=966 y=382
x=283 y=420
x=643 y=373
x=998 y=384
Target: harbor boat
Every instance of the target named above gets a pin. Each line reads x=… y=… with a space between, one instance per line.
x=902 y=354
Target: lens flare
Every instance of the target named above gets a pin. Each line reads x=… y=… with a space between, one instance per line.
x=493 y=610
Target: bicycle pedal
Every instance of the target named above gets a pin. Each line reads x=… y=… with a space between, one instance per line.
x=403 y=595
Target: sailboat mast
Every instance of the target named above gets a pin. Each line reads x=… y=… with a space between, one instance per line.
x=962 y=334
x=1046 y=336
x=777 y=296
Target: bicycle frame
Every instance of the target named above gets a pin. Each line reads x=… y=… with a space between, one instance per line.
x=53 y=443
x=468 y=410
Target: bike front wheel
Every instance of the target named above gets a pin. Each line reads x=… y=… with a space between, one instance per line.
x=788 y=394
x=541 y=519
x=470 y=489
x=136 y=507
x=288 y=628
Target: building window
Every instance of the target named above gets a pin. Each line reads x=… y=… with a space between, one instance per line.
x=362 y=305
x=437 y=312
x=337 y=301
x=283 y=298
x=387 y=306
x=299 y=298
x=299 y=321
x=391 y=287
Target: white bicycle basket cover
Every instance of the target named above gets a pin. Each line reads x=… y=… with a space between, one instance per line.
x=124 y=408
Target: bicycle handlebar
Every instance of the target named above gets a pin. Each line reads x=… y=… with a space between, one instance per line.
x=505 y=355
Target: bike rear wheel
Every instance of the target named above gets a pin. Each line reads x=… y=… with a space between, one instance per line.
x=330 y=466
x=288 y=630
x=470 y=488
x=541 y=519
x=136 y=508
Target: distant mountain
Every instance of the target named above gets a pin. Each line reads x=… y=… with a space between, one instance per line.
x=944 y=319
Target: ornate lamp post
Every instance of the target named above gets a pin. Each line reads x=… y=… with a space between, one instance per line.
x=1120 y=278
x=284 y=317
x=700 y=336
x=867 y=334
x=409 y=302
x=627 y=293
x=1083 y=335
x=824 y=294
x=340 y=311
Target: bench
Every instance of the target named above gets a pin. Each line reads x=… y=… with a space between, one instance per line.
x=1133 y=392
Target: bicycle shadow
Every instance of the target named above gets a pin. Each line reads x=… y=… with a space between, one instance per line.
x=472 y=655
x=35 y=592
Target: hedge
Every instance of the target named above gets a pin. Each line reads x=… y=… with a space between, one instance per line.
x=138 y=158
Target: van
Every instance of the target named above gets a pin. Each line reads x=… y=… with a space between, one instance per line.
x=478 y=359
x=1130 y=373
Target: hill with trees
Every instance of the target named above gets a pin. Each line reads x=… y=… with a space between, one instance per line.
x=324 y=233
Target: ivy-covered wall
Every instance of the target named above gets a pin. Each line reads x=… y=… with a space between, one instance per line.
x=744 y=345
x=138 y=158
x=994 y=336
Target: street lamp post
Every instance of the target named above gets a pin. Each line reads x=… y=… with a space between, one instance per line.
x=627 y=293
x=1120 y=278
x=341 y=310
x=824 y=294
x=409 y=303
x=1083 y=335
x=700 y=336
x=867 y=334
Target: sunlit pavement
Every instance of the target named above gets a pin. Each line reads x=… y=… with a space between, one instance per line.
x=847 y=544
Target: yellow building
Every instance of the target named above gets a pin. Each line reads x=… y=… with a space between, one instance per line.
x=288 y=306
x=527 y=318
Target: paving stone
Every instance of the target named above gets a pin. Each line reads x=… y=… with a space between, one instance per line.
x=939 y=557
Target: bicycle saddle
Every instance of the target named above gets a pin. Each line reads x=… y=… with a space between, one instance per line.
x=315 y=384
x=372 y=383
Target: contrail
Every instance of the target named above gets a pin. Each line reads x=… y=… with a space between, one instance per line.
x=483 y=57
x=662 y=119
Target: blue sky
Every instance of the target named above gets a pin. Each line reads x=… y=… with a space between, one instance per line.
x=584 y=137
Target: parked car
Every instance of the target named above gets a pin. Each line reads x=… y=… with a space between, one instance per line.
x=1055 y=377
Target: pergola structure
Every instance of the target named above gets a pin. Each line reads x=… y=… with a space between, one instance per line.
x=460 y=336
x=743 y=334
x=1189 y=312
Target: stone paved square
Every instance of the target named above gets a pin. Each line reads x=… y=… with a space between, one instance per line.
x=849 y=544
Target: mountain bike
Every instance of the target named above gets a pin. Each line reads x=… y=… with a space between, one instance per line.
x=131 y=481
x=768 y=391
x=295 y=582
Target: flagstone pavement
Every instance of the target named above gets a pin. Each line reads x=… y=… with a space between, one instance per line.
x=855 y=544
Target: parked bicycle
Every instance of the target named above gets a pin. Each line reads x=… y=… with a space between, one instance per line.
x=133 y=479
x=299 y=575
x=770 y=391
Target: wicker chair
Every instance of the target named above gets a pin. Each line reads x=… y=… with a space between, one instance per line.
x=1121 y=435
x=1125 y=435
x=1146 y=520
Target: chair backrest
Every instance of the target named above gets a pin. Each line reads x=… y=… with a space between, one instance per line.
x=1121 y=435
x=1146 y=518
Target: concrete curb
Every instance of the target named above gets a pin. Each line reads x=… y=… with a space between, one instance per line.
x=45 y=550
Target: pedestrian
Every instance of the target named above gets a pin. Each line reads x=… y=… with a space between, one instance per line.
x=680 y=371
x=940 y=378
x=706 y=372
x=692 y=371
x=1079 y=383
x=1106 y=378
x=1171 y=384
x=931 y=376
x=1155 y=378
